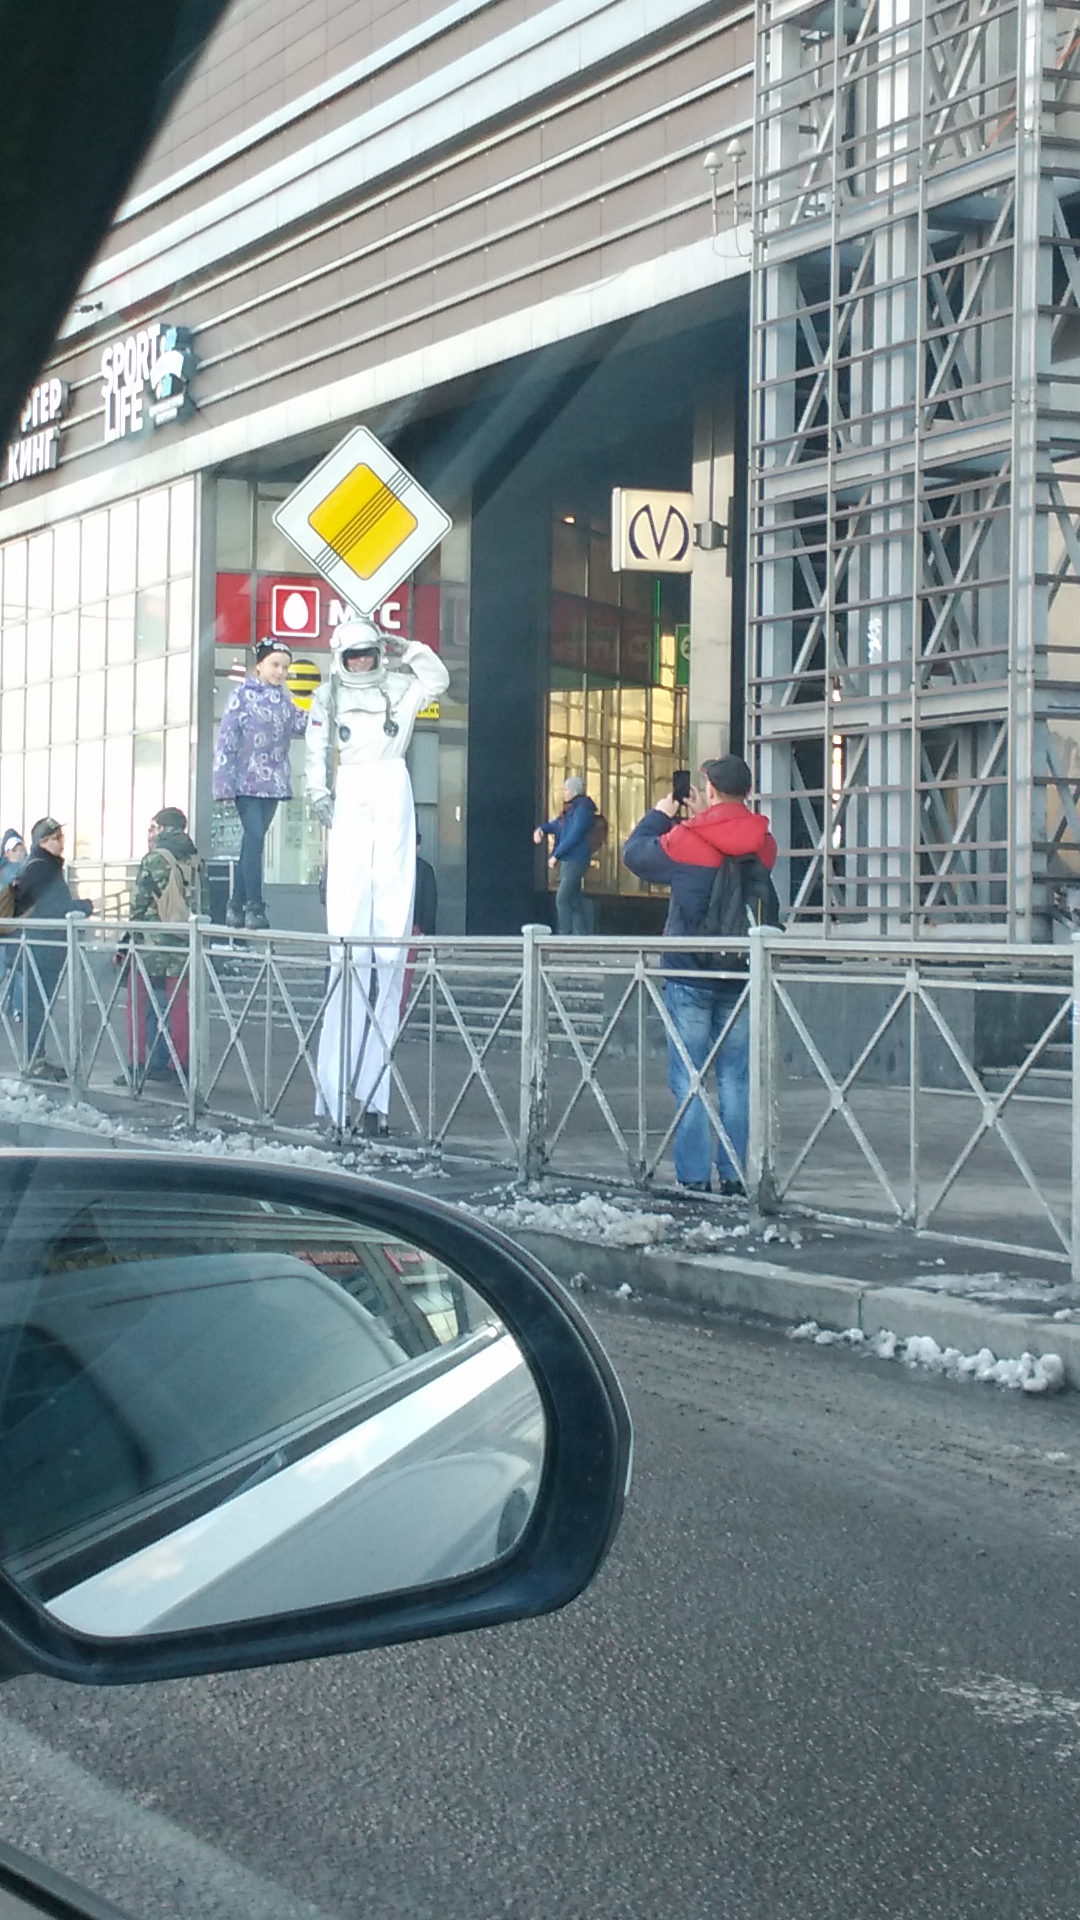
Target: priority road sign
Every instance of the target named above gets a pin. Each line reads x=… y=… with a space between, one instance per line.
x=362 y=520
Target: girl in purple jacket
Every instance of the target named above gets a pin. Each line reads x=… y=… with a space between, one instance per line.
x=251 y=768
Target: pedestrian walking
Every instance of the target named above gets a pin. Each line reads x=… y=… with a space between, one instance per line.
x=686 y=855
x=251 y=768
x=42 y=893
x=170 y=886
x=574 y=831
x=359 y=788
x=12 y=861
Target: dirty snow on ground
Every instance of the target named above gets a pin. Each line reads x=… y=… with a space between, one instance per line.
x=1042 y=1373
x=989 y=1286
x=589 y=1218
x=24 y=1105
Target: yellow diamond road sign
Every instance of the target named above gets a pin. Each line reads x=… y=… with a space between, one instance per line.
x=362 y=520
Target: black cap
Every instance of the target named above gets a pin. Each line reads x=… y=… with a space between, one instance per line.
x=44 y=830
x=729 y=774
x=264 y=648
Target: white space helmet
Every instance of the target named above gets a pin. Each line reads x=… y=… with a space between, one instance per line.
x=360 y=635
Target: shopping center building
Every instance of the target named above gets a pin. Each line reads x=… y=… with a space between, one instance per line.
x=486 y=232
x=813 y=265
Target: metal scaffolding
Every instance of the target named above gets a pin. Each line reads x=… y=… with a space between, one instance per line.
x=914 y=631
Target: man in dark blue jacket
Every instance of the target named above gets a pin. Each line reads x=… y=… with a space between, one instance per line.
x=572 y=853
x=685 y=855
x=41 y=890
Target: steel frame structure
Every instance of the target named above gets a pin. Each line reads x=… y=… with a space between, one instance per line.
x=914 y=563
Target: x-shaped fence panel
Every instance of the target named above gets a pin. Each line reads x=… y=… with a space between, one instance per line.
x=947 y=1082
x=616 y=1043
x=927 y=1083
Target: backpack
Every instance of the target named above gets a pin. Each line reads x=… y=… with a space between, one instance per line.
x=174 y=900
x=742 y=896
x=7 y=902
x=596 y=837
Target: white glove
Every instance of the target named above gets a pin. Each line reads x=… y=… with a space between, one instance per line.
x=322 y=806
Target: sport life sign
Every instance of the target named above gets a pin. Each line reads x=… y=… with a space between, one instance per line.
x=38 y=448
x=651 y=532
x=157 y=360
x=362 y=520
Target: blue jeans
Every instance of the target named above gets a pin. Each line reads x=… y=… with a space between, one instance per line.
x=699 y=1014
x=255 y=818
x=571 y=907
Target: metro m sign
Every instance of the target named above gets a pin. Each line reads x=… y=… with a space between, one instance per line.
x=651 y=532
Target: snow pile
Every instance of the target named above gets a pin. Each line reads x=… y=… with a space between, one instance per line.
x=1042 y=1373
x=590 y=1218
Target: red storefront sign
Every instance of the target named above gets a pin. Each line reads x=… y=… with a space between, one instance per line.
x=412 y=612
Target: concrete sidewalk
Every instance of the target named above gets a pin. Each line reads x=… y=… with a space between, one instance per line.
x=710 y=1257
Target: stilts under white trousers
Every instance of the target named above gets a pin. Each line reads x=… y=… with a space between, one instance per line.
x=370 y=880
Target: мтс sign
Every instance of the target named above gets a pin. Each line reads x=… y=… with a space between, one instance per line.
x=651 y=532
x=363 y=521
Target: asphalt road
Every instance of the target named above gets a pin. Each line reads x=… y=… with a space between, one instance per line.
x=831 y=1669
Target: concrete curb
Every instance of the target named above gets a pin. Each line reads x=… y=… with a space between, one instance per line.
x=764 y=1290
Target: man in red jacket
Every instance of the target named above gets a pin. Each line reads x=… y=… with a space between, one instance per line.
x=684 y=856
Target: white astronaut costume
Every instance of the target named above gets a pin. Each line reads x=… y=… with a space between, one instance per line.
x=365 y=721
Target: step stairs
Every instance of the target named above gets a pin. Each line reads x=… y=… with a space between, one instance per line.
x=1049 y=1079
x=479 y=999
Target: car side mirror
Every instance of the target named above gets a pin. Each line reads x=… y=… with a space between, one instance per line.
x=252 y=1414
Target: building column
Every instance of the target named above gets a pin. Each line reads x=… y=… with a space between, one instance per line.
x=711 y=581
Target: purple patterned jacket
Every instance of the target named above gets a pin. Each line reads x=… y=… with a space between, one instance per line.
x=252 y=752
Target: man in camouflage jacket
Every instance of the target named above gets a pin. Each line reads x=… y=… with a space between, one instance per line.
x=170 y=848
x=158 y=997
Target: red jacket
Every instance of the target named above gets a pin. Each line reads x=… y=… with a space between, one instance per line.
x=729 y=827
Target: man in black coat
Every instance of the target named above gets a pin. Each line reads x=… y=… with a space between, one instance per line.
x=41 y=891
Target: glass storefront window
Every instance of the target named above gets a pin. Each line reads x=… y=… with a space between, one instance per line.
x=123 y=537
x=149 y=693
x=91 y=705
x=14 y=604
x=94 y=575
x=66 y=566
x=12 y=710
x=39 y=581
x=150 y=623
x=121 y=629
x=13 y=656
x=615 y=714
x=38 y=649
x=152 y=565
x=65 y=701
x=88 y=665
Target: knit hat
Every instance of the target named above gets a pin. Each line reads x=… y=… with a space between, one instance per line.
x=264 y=648
x=729 y=774
x=44 y=830
x=171 y=820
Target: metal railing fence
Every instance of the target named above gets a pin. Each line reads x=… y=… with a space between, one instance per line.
x=931 y=1084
